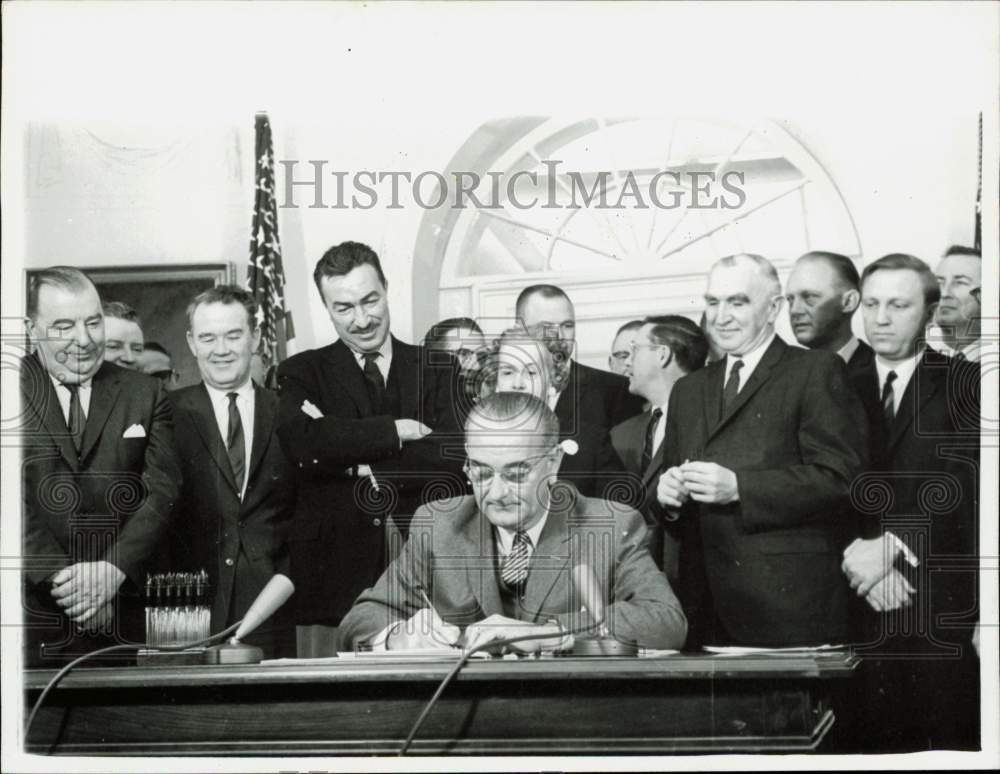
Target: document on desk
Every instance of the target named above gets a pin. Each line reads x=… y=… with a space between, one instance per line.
x=790 y=651
x=422 y=654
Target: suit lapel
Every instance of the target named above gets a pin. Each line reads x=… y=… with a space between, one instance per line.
x=405 y=362
x=208 y=428
x=103 y=396
x=923 y=384
x=655 y=463
x=348 y=374
x=552 y=545
x=263 y=418
x=715 y=376
x=482 y=577
x=757 y=379
x=39 y=396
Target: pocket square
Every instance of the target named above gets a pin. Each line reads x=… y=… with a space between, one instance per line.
x=135 y=431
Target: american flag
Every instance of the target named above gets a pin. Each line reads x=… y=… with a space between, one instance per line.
x=265 y=274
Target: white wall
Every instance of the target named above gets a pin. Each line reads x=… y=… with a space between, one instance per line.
x=908 y=180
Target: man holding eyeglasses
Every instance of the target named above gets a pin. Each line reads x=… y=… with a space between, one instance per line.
x=760 y=451
x=499 y=563
x=585 y=393
x=665 y=348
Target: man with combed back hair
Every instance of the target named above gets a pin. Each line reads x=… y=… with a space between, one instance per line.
x=499 y=563
x=100 y=476
x=760 y=450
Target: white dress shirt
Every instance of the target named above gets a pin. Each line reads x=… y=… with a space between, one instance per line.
x=904 y=372
x=973 y=352
x=750 y=361
x=245 y=400
x=661 y=428
x=86 y=388
x=505 y=537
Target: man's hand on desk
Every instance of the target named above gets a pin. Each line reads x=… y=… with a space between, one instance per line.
x=890 y=593
x=83 y=589
x=498 y=627
x=411 y=430
x=425 y=629
x=866 y=562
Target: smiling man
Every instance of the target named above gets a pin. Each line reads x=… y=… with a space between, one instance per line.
x=100 y=477
x=123 y=340
x=760 y=450
x=238 y=487
x=500 y=563
x=364 y=421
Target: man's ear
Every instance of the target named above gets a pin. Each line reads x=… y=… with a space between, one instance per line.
x=850 y=300
x=931 y=312
x=190 y=343
x=255 y=338
x=31 y=328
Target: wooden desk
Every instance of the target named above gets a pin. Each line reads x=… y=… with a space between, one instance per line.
x=673 y=704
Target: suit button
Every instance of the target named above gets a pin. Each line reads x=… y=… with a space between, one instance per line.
x=377 y=522
x=315 y=462
x=229 y=562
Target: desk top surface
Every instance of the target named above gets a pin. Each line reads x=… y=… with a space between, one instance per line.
x=828 y=664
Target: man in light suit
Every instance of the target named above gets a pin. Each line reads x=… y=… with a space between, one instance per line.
x=759 y=455
x=665 y=348
x=100 y=476
x=238 y=492
x=916 y=564
x=367 y=422
x=585 y=393
x=500 y=563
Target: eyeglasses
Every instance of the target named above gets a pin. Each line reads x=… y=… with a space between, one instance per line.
x=515 y=473
x=638 y=345
x=622 y=355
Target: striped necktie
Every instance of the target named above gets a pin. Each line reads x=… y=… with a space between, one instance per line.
x=515 y=565
x=889 y=399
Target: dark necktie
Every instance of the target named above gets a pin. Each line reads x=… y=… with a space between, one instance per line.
x=889 y=399
x=515 y=565
x=77 y=421
x=959 y=355
x=374 y=381
x=647 y=447
x=234 y=442
x=732 y=387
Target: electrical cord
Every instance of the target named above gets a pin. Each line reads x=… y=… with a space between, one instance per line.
x=112 y=649
x=465 y=660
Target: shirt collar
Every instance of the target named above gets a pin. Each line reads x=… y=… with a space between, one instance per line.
x=847 y=351
x=82 y=385
x=751 y=358
x=221 y=396
x=385 y=351
x=506 y=536
x=904 y=369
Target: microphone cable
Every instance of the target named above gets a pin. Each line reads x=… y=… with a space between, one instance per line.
x=112 y=649
x=453 y=672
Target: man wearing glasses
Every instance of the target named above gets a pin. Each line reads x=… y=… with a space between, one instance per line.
x=665 y=348
x=156 y=361
x=500 y=563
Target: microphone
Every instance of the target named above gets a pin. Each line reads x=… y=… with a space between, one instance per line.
x=272 y=596
x=588 y=587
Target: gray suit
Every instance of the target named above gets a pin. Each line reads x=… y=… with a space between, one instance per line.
x=451 y=555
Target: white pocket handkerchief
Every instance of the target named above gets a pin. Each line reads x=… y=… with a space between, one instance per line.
x=135 y=431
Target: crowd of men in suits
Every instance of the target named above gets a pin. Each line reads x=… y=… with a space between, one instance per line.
x=754 y=492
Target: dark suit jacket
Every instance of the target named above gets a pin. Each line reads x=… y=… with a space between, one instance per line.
x=596 y=397
x=795 y=439
x=112 y=502
x=596 y=469
x=212 y=524
x=924 y=488
x=451 y=555
x=629 y=438
x=338 y=535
